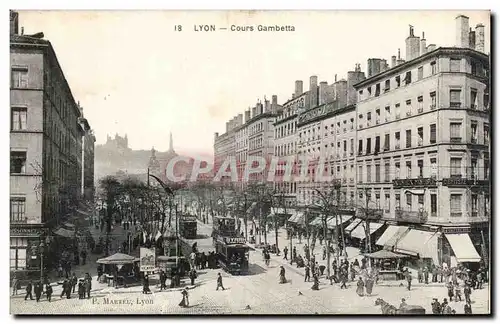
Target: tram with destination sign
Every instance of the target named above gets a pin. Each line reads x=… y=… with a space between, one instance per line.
x=233 y=254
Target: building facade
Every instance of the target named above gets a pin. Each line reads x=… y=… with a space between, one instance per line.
x=45 y=150
x=423 y=143
x=285 y=144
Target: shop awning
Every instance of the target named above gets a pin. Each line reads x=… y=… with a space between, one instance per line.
x=331 y=222
x=318 y=221
x=252 y=207
x=463 y=248
x=401 y=232
x=388 y=234
x=383 y=254
x=359 y=231
x=298 y=218
x=353 y=225
x=64 y=232
x=420 y=243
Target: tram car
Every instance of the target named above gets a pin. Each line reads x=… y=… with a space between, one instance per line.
x=224 y=226
x=188 y=226
x=233 y=254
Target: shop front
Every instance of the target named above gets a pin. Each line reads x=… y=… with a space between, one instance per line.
x=29 y=251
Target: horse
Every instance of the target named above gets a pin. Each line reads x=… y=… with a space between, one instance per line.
x=388 y=309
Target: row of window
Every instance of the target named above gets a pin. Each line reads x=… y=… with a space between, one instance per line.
x=287 y=129
x=456 y=202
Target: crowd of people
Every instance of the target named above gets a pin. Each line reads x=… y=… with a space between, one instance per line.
x=68 y=288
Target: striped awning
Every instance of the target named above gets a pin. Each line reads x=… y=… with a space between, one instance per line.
x=353 y=225
x=421 y=243
x=389 y=233
x=463 y=248
x=359 y=232
x=332 y=221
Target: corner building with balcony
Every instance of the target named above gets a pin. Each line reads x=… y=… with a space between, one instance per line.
x=423 y=148
x=47 y=177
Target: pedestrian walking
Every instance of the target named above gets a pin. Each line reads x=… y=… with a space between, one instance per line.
x=219 y=282
x=65 y=286
x=361 y=287
x=307 y=276
x=74 y=282
x=60 y=270
x=343 y=279
x=408 y=279
x=282 y=275
x=445 y=308
x=436 y=306
x=467 y=293
x=192 y=276
x=450 y=287
x=48 y=292
x=38 y=290
x=403 y=303
x=420 y=275
x=369 y=285
x=163 y=280
x=185 y=298
x=315 y=285
x=426 y=276
x=84 y=256
x=81 y=289
x=145 y=285
x=285 y=253
x=479 y=280
x=15 y=284
x=88 y=284
x=434 y=274
x=467 y=308
x=458 y=292
x=29 y=290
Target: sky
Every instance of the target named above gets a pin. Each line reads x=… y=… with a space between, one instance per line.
x=134 y=74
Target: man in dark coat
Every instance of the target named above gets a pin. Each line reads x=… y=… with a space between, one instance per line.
x=65 y=286
x=467 y=292
x=88 y=285
x=436 y=306
x=307 y=275
x=74 y=281
x=81 y=289
x=29 y=290
x=163 y=280
x=285 y=253
x=38 y=290
x=467 y=309
x=48 y=292
x=219 y=282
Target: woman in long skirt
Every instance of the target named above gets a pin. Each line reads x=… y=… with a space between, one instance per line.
x=282 y=275
x=369 y=285
x=185 y=299
x=361 y=286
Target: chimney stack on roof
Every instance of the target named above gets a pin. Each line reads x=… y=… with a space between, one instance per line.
x=462 y=31
x=412 y=45
x=479 y=38
x=423 y=45
x=299 y=89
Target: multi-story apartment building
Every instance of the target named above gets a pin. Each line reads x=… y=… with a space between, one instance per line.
x=327 y=135
x=45 y=150
x=261 y=135
x=285 y=144
x=423 y=146
x=225 y=147
x=88 y=145
x=241 y=138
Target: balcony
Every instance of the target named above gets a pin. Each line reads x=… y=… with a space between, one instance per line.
x=397 y=146
x=372 y=214
x=456 y=214
x=455 y=139
x=19 y=221
x=473 y=140
x=455 y=104
x=420 y=142
x=474 y=213
x=420 y=110
x=415 y=217
x=414 y=183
